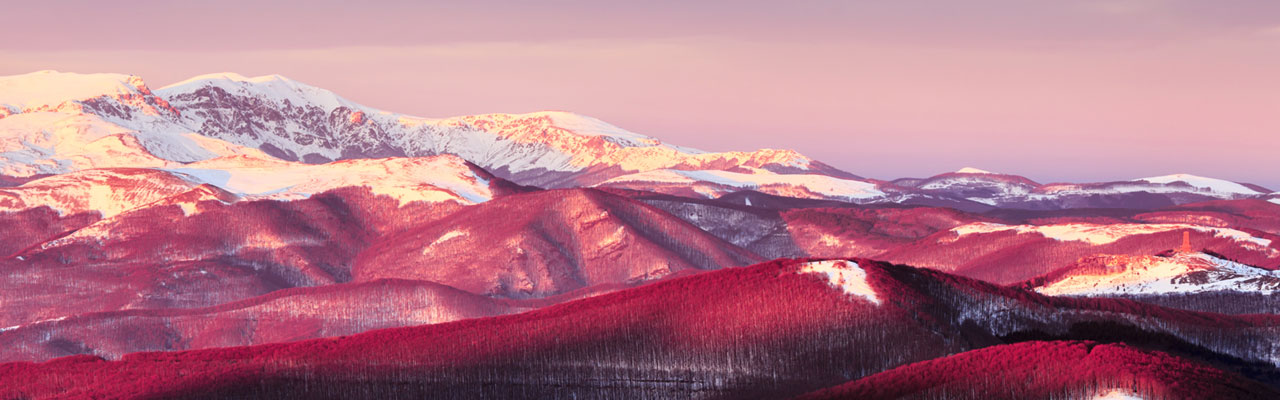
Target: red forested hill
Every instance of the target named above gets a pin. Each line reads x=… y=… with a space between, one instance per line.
x=548 y=242
x=770 y=330
x=1058 y=370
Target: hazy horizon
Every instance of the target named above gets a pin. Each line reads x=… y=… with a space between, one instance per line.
x=1087 y=91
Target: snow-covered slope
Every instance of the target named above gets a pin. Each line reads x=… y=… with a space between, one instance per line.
x=271 y=88
x=1141 y=193
x=1012 y=191
x=1204 y=187
x=54 y=122
x=715 y=183
x=845 y=275
x=1216 y=186
x=59 y=142
x=1098 y=234
x=52 y=90
x=112 y=191
x=1149 y=275
x=972 y=184
x=295 y=121
x=430 y=179
x=107 y=191
x=972 y=170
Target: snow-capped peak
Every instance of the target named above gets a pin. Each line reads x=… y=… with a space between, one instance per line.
x=229 y=76
x=270 y=87
x=972 y=170
x=293 y=121
x=1200 y=182
x=51 y=88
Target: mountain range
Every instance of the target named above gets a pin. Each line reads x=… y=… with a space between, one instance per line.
x=54 y=123
x=228 y=236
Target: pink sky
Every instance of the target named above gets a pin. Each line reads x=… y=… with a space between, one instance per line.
x=1056 y=91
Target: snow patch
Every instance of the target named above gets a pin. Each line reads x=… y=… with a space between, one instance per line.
x=448 y=236
x=845 y=275
x=109 y=192
x=1000 y=188
x=427 y=179
x=763 y=181
x=1117 y=394
x=33 y=323
x=1104 y=234
x=1200 y=182
x=830 y=240
x=188 y=208
x=990 y=202
x=1182 y=273
x=972 y=170
x=1208 y=187
x=35 y=143
x=613 y=238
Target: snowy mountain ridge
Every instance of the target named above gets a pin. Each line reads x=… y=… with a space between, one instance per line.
x=112 y=191
x=53 y=123
x=1203 y=183
x=294 y=121
x=52 y=91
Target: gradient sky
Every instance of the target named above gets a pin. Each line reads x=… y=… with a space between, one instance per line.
x=1053 y=90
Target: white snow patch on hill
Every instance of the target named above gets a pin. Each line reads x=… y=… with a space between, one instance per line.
x=1118 y=394
x=1145 y=275
x=1211 y=184
x=844 y=275
x=761 y=180
x=429 y=179
x=447 y=236
x=55 y=143
x=972 y=170
x=1103 y=234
